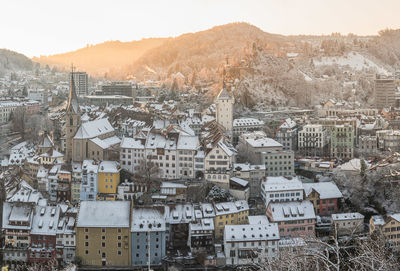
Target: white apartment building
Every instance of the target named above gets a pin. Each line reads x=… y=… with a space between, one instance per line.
x=287 y=134
x=313 y=140
x=173 y=152
x=248 y=244
x=224 y=110
x=348 y=223
x=219 y=163
x=278 y=189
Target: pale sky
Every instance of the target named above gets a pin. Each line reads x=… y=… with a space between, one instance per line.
x=42 y=27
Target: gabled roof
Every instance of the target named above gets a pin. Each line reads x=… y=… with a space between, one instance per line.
x=113 y=214
x=224 y=94
x=92 y=129
x=326 y=190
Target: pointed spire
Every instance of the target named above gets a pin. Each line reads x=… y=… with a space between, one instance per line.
x=72 y=105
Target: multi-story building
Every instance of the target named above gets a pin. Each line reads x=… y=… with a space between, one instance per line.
x=229 y=213
x=250 y=244
x=278 y=189
x=389 y=226
x=103 y=233
x=172 y=149
x=385 y=90
x=76 y=182
x=43 y=234
x=201 y=235
x=388 y=140
x=81 y=83
x=347 y=223
x=219 y=162
x=108 y=178
x=65 y=238
x=245 y=125
x=224 y=110
x=147 y=237
x=294 y=218
x=325 y=197
x=287 y=134
x=342 y=141
x=261 y=150
x=254 y=174
x=89 y=181
x=313 y=140
x=367 y=145
x=118 y=88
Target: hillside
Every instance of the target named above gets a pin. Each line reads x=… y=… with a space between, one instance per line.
x=11 y=61
x=102 y=58
x=203 y=52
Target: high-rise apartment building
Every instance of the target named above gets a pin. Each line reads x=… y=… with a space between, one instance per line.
x=81 y=83
x=385 y=90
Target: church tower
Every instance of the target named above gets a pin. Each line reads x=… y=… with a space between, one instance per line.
x=224 y=114
x=72 y=119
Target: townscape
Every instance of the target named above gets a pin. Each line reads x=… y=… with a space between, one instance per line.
x=283 y=157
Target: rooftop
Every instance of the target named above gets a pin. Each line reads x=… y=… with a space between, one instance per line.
x=112 y=214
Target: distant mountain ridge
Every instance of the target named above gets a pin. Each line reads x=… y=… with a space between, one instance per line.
x=185 y=53
x=99 y=59
x=11 y=61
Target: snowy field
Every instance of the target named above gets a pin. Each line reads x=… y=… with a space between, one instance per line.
x=354 y=60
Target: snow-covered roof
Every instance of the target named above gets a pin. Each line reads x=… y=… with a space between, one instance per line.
x=186 y=142
x=205 y=224
x=131 y=143
x=258 y=219
x=326 y=190
x=263 y=142
x=247 y=167
x=92 y=129
x=281 y=183
x=395 y=216
x=109 y=167
x=172 y=185
x=224 y=208
x=347 y=216
x=292 y=242
x=45 y=220
x=288 y=124
x=16 y=213
x=239 y=181
x=378 y=220
x=112 y=214
x=291 y=210
x=241 y=233
x=147 y=219
x=242 y=122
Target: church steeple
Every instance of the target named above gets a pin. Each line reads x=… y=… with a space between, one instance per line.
x=72 y=105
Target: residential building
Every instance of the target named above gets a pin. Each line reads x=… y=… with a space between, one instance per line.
x=385 y=90
x=201 y=234
x=147 y=236
x=89 y=180
x=342 y=141
x=294 y=218
x=43 y=234
x=118 y=88
x=389 y=226
x=254 y=174
x=102 y=233
x=250 y=244
x=278 y=189
x=245 y=125
x=367 y=145
x=229 y=213
x=108 y=178
x=348 y=223
x=325 y=197
x=287 y=134
x=81 y=83
x=313 y=140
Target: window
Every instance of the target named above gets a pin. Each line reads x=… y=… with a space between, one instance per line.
x=86 y=244
x=119 y=252
x=103 y=244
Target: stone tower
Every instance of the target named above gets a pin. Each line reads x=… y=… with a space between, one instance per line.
x=224 y=114
x=72 y=119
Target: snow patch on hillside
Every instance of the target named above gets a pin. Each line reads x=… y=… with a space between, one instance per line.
x=354 y=60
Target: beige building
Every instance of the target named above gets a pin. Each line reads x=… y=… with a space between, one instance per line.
x=389 y=226
x=385 y=90
x=102 y=233
x=224 y=110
